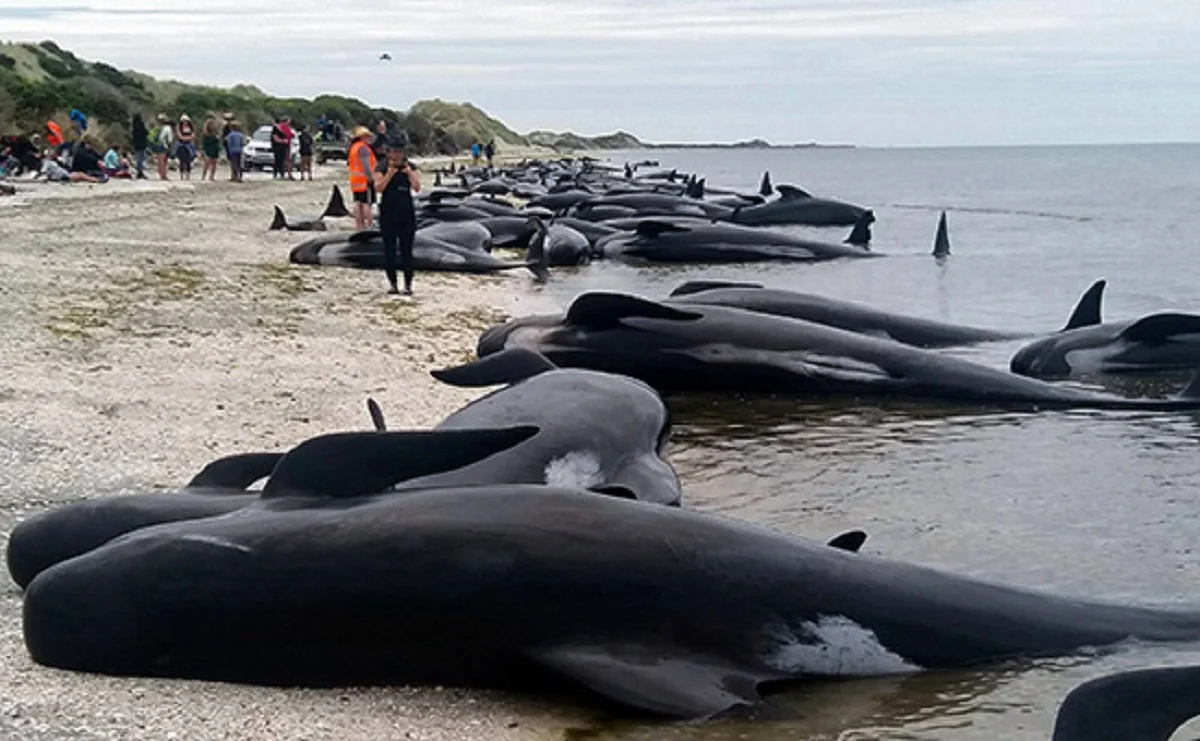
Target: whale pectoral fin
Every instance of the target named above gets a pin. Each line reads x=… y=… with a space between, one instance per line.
x=697 y=286
x=851 y=540
x=376 y=413
x=598 y=309
x=1087 y=311
x=352 y=464
x=505 y=367
x=1159 y=328
x=236 y=471
x=646 y=677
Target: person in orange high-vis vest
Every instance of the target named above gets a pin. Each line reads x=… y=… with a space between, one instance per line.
x=55 y=138
x=361 y=161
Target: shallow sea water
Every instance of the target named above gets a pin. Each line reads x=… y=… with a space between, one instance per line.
x=1094 y=504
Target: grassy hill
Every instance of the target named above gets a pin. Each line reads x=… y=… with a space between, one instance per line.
x=43 y=81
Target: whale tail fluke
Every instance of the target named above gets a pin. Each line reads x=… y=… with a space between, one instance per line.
x=336 y=206
x=860 y=235
x=1087 y=311
x=1144 y=704
x=377 y=420
x=354 y=464
x=941 y=242
x=279 y=222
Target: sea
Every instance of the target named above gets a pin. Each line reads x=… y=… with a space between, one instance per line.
x=1093 y=504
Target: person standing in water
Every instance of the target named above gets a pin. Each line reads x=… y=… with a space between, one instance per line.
x=397 y=216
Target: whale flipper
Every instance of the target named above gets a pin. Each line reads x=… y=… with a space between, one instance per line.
x=1087 y=311
x=860 y=235
x=376 y=413
x=355 y=464
x=279 y=222
x=537 y=259
x=693 y=687
x=235 y=471
x=698 y=286
x=764 y=187
x=1145 y=705
x=941 y=241
x=851 y=540
x=505 y=367
x=598 y=309
x=337 y=205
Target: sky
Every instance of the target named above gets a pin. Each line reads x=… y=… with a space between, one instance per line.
x=864 y=72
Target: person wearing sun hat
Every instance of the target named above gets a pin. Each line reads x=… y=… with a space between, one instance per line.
x=361 y=162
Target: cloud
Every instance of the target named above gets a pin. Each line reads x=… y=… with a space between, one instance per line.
x=869 y=71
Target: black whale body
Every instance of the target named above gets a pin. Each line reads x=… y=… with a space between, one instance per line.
x=665 y=610
x=697 y=348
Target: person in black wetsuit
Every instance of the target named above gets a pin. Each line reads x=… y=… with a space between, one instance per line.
x=397 y=216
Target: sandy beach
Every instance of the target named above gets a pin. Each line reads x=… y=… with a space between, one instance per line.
x=150 y=329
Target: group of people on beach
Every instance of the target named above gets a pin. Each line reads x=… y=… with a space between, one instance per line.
x=184 y=144
x=488 y=150
x=378 y=164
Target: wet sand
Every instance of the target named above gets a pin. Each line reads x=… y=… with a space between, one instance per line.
x=150 y=329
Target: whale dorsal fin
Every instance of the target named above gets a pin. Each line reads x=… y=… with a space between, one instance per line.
x=851 y=540
x=790 y=192
x=659 y=679
x=1087 y=311
x=699 y=286
x=860 y=235
x=336 y=206
x=941 y=240
x=1149 y=705
x=764 y=186
x=651 y=228
x=279 y=222
x=1157 y=328
x=599 y=309
x=353 y=464
x=235 y=471
x=505 y=367
x=377 y=420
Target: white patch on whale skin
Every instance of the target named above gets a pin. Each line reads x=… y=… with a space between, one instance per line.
x=1091 y=360
x=578 y=469
x=215 y=541
x=833 y=645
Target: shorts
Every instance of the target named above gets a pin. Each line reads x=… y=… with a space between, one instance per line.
x=365 y=196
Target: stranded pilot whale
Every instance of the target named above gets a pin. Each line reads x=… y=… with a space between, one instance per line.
x=336 y=207
x=1166 y=341
x=666 y=610
x=697 y=348
x=909 y=330
x=1141 y=705
x=68 y=531
x=597 y=431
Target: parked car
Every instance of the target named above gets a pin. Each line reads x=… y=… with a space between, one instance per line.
x=257 y=152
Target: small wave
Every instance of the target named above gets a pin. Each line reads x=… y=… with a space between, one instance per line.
x=1003 y=211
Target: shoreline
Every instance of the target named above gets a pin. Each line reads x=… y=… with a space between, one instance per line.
x=151 y=330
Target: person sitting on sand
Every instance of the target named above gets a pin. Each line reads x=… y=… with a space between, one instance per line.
x=88 y=161
x=54 y=172
x=361 y=162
